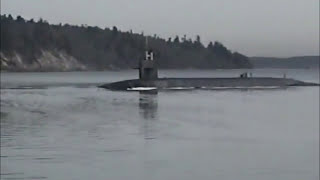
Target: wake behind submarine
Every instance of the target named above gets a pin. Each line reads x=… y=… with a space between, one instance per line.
x=149 y=80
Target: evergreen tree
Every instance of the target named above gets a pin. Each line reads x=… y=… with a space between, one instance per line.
x=176 y=40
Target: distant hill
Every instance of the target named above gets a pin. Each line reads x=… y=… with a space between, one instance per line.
x=27 y=45
x=298 y=62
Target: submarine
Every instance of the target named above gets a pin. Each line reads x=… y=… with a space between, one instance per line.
x=149 y=80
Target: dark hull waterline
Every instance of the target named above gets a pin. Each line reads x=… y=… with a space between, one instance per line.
x=205 y=83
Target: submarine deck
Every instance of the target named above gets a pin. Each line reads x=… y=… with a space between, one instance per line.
x=164 y=83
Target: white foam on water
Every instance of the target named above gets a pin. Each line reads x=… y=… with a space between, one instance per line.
x=244 y=87
x=266 y=87
x=180 y=88
x=217 y=88
x=141 y=88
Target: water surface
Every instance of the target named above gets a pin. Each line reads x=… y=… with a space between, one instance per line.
x=60 y=126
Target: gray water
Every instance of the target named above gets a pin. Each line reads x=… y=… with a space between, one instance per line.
x=60 y=126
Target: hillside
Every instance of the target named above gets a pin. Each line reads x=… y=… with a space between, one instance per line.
x=304 y=62
x=27 y=45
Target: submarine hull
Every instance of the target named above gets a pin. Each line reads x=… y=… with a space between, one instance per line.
x=205 y=83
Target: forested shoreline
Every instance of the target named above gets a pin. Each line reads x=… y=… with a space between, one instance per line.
x=29 y=45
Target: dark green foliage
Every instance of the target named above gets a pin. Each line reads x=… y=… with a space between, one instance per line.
x=111 y=48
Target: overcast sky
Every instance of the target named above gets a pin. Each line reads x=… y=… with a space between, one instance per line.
x=254 y=27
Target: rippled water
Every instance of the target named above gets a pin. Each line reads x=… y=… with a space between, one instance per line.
x=60 y=126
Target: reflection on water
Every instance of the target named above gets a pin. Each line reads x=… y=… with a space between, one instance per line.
x=148 y=106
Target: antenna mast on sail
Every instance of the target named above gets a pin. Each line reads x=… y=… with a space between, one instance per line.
x=147 y=43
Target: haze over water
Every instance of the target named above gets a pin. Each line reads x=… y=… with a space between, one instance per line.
x=60 y=126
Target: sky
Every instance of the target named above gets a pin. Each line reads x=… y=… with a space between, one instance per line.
x=277 y=28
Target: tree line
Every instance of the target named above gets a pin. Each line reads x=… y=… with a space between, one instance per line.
x=110 y=48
